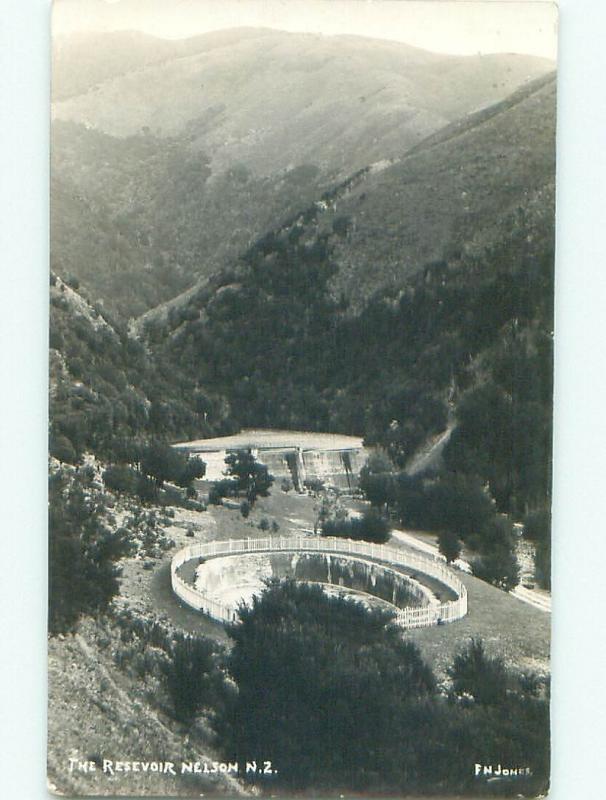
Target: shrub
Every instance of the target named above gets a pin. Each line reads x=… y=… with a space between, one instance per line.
x=63 y=450
x=122 y=479
x=314 y=485
x=214 y=496
x=191 y=676
x=450 y=545
x=318 y=714
x=498 y=564
x=477 y=675
x=372 y=527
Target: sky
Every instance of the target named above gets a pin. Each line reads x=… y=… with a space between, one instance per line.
x=463 y=27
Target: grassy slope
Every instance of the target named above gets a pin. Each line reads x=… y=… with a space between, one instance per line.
x=270 y=98
x=454 y=195
x=99 y=710
x=509 y=627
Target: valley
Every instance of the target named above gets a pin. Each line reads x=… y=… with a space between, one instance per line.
x=301 y=286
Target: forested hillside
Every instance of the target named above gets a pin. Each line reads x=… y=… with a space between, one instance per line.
x=107 y=392
x=309 y=330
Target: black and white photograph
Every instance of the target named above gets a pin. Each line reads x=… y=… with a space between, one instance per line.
x=301 y=398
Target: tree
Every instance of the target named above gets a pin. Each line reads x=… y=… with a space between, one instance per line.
x=499 y=567
x=162 y=462
x=542 y=563
x=329 y=508
x=84 y=549
x=476 y=674
x=191 y=676
x=63 y=450
x=379 y=488
x=251 y=476
x=371 y=527
x=368 y=686
x=537 y=525
x=450 y=545
x=193 y=469
x=121 y=478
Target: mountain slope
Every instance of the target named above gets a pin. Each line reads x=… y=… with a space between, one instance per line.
x=456 y=195
x=107 y=390
x=341 y=321
x=273 y=99
x=192 y=150
x=451 y=197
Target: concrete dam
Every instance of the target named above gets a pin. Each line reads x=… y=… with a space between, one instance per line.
x=299 y=456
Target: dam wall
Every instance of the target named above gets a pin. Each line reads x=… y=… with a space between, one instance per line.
x=297 y=456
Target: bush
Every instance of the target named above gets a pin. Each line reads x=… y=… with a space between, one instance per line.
x=84 y=549
x=320 y=715
x=245 y=508
x=214 y=496
x=477 y=675
x=314 y=485
x=61 y=448
x=543 y=564
x=147 y=490
x=372 y=527
x=537 y=525
x=498 y=565
x=224 y=488
x=192 y=676
x=450 y=546
x=122 y=479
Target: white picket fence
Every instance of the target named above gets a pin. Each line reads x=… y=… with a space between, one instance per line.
x=418 y=617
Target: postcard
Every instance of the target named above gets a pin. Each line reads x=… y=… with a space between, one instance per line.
x=301 y=333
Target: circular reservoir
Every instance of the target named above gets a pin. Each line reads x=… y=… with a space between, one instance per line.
x=216 y=577
x=232 y=580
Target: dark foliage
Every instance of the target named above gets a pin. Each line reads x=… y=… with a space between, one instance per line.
x=249 y=475
x=109 y=395
x=477 y=675
x=497 y=563
x=163 y=463
x=371 y=527
x=83 y=550
x=371 y=719
x=449 y=545
x=537 y=525
x=320 y=732
x=408 y=354
x=192 y=677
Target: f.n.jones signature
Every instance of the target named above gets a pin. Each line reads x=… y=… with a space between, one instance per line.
x=500 y=771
